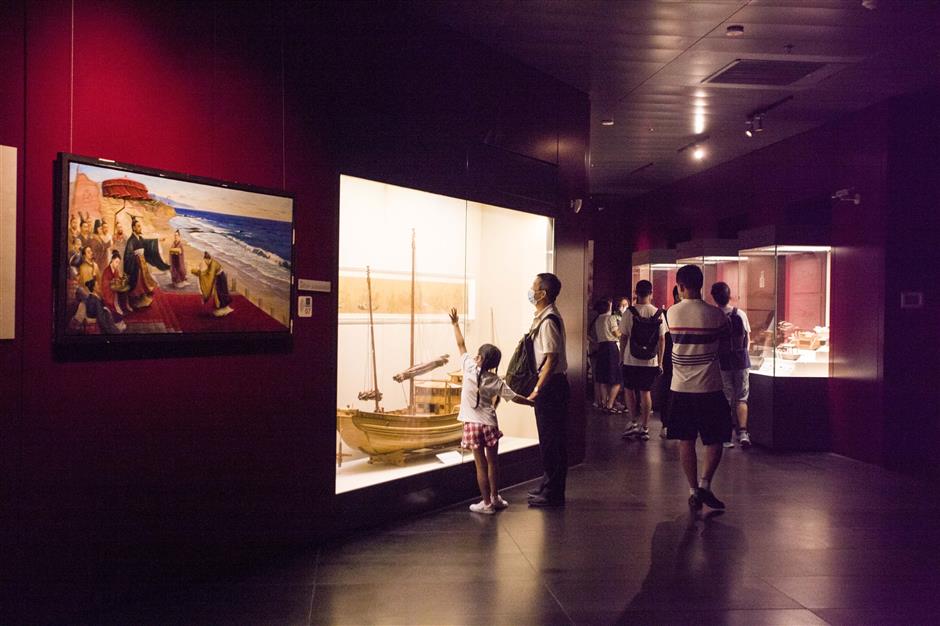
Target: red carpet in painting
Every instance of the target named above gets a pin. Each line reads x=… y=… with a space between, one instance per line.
x=193 y=317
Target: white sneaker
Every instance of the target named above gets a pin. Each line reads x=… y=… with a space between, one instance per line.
x=500 y=503
x=643 y=434
x=728 y=444
x=631 y=430
x=744 y=438
x=480 y=507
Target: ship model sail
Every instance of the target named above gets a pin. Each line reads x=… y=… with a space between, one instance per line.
x=428 y=424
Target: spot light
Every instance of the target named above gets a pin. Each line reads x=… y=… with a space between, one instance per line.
x=698 y=153
x=607 y=122
x=749 y=128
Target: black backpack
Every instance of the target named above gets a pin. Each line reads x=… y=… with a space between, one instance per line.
x=644 y=334
x=522 y=373
x=737 y=358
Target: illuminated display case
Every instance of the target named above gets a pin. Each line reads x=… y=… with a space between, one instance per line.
x=659 y=267
x=405 y=258
x=785 y=291
x=718 y=259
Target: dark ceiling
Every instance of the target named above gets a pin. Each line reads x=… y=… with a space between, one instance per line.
x=649 y=66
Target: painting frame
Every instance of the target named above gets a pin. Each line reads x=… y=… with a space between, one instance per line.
x=190 y=265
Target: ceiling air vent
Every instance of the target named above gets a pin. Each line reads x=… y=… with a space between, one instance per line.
x=758 y=72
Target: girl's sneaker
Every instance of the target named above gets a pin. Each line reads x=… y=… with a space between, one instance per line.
x=500 y=503
x=480 y=507
x=643 y=434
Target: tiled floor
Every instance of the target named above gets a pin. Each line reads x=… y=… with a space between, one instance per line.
x=807 y=539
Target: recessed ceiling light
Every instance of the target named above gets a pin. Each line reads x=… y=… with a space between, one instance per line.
x=735 y=30
x=607 y=122
x=698 y=153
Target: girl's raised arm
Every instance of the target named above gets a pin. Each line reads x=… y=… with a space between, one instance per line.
x=457 y=334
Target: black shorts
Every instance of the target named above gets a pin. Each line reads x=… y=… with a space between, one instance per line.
x=699 y=414
x=639 y=378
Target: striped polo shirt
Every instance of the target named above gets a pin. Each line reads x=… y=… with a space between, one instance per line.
x=696 y=328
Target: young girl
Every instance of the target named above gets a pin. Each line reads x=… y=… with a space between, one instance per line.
x=481 y=392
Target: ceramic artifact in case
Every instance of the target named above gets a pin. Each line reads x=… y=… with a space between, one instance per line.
x=785 y=292
x=659 y=267
x=786 y=295
x=718 y=259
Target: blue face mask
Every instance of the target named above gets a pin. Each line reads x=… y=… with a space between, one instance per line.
x=532 y=299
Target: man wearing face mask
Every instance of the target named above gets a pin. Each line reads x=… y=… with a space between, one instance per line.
x=551 y=392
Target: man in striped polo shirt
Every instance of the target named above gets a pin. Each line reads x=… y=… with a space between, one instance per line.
x=697 y=405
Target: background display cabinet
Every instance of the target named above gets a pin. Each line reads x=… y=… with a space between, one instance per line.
x=405 y=258
x=718 y=260
x=785 y=292
x=659 y=267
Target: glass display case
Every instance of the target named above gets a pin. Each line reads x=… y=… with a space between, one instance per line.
x=405 y=258
x=786 y=298
x=659 y=267
x=785 y=291
x=718 y=259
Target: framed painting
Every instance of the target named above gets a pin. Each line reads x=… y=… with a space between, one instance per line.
x=159 y=257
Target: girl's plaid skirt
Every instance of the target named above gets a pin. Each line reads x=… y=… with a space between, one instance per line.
x=476 y=435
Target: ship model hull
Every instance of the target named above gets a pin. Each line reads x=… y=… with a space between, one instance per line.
x=394 y=436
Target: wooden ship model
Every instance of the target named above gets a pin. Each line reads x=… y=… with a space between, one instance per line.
x=427 y=425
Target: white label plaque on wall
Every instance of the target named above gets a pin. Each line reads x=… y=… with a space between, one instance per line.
x=307 y=284
x=7 y=241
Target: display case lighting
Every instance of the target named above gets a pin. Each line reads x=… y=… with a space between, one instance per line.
x=663 y=266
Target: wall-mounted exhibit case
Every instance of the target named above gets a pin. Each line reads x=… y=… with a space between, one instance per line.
x=659 y=267
x=405 y=258
x=719 y=262
x=785 y=292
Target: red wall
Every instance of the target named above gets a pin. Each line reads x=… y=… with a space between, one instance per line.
x=102 y=459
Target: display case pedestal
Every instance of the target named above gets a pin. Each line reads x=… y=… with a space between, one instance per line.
x=789 y=414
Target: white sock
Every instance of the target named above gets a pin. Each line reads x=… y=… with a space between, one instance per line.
x=704 y=484
x=692 y=491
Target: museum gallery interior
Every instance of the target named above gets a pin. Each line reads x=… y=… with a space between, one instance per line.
x=231 y=233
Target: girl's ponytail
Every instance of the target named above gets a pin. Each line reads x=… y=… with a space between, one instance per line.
x=490 y=356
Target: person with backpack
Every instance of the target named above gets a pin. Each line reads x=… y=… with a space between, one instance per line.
x=735 y=364
x=538 y=370
x=643 y=329
x=697 y=405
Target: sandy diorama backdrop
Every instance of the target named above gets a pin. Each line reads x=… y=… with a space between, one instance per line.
x=249 y=233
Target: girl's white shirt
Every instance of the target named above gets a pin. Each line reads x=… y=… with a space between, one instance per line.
x=491 y=387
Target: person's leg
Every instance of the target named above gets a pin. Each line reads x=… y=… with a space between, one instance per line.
x=605 y=394
x=715 y=430
x=492 y=464
x=551 y=411
x=742 y=415
x=689 y=460
x=612 y=396
x=646 y=405
x=712 y=459
x=633 y=405
x=479 y=458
